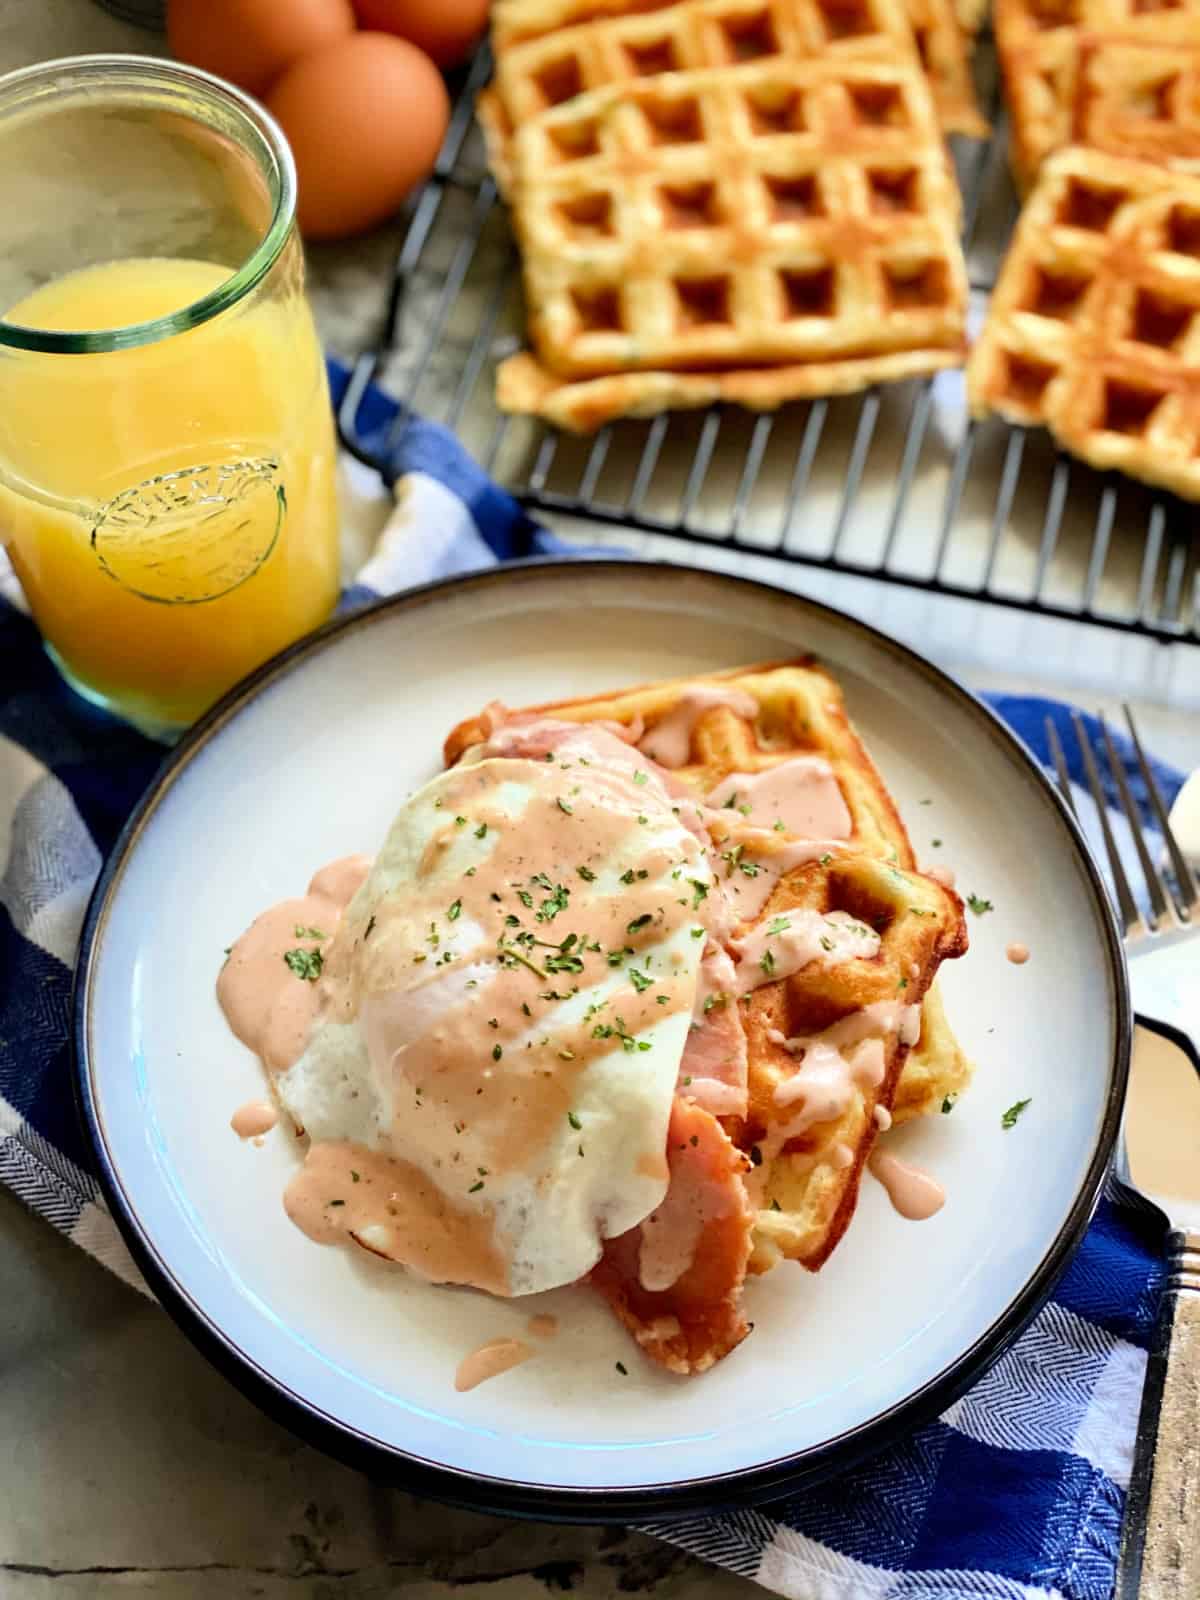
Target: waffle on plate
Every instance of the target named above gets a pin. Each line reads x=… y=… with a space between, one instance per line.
x=1092 y=330
x=1041 y=44
x=793 y=1161
x=754 y=233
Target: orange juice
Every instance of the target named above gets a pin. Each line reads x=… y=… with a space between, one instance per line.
x=169 y=508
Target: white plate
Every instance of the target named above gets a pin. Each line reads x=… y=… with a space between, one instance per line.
x=309 y=761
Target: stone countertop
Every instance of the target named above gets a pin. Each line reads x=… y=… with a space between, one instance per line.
x=127 y=1464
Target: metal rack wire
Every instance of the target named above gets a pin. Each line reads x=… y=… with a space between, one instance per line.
x=896 y=484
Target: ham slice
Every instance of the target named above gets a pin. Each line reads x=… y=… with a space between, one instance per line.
x=702 y=1229
x=713 y=1071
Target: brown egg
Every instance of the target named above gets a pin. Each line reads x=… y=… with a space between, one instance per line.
x=365 y=119
x=251 y=42
x=445 y=29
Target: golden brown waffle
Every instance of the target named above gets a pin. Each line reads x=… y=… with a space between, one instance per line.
x=805 y=1191
x=1040 y=42
x=752 y=233
x=1093 y=330
x=548 y=51
x=1140 y=98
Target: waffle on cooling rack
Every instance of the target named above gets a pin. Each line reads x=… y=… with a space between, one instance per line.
x=804 y=1187
x=1041 y=44
x=1093 y=329
x=1139 y=97
x=548 y=51
x=754 y=233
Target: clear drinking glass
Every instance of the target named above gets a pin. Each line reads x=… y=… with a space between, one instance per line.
x=167 y=455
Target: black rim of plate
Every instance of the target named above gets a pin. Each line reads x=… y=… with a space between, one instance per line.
x=769 y=1479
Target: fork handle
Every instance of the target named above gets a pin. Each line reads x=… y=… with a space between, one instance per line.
x=1160 y=1541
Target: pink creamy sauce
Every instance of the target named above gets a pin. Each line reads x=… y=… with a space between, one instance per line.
x=764 y=859
x=268 y=1007
x=779 y=946
x=669 y=741
x=802 y=793
x=913 y=1193
x=254 y=1119
x=1018 y=954
x=837 y=1065
x=489 y=1360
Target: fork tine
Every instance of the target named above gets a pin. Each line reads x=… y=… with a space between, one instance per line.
x=1154 y=884
x=1189 y=893
x=1060 y=763
x=1125 y=900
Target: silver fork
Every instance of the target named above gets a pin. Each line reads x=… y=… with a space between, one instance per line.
x=1160 y=1541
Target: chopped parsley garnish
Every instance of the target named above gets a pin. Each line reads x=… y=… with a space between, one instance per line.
x=586 y=874
x=337 y=1202
x=712 y=1001
x=354 y=1176
x=564 y=961
x=567 y=810
x=683 y=1082
x=1009 y=1119
x=622 y=1369
x=779 y=826
x=935 y=844
x=825 y=859
x=455 y=911
x=643 y=820
x=370 y=927
x=308 y=933
x=639 y=980
x=460 y=822
x=697 y=933
x=641 y=777
x=497 y=1052
x=699 y=892
x=573 y=1119
x=826 y=943
x=556 y=900
x=481 y=831
x=767 y=963
x=639 y=922
x=779 y=925
x=903 y=984
x=476 y=1186
x=731 y=802
x=948 y=1104
x=978 y=906
x=305 y=964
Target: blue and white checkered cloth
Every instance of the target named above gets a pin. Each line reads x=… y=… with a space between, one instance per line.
x=1016 y=1491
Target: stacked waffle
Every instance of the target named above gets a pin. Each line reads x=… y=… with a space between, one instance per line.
x=802 y=1163
x=1092 y=330
x=728 y=199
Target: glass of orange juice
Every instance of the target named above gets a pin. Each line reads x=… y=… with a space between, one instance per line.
x=167 y=455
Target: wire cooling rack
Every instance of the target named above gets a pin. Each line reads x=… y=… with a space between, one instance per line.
x=896 y=484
